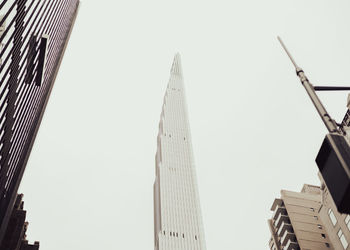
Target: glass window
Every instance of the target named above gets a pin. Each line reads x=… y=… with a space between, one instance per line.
x=332 y=217
x=347 y=221
x=343 y=241
x=342 y=238
x=340 y=232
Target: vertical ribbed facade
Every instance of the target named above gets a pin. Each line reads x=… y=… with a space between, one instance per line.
x=33 y=37
x=177 y=215
x=2 y=29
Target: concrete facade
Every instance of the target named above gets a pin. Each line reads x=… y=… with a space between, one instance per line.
x=177 y=215
x=295 y=223
x=308 y=220
x=336 y=224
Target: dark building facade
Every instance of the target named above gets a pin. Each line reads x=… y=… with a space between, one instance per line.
x=33 y=38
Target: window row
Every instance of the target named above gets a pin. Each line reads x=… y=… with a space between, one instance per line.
x=175 y=234
x=334 y=221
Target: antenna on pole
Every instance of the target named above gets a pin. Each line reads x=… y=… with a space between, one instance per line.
x=297 y=68
x=286 y=50
x=327 y=120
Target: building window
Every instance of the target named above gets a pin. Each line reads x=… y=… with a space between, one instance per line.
x=327 y=245
x=319 y=226
x=332 y=217
x=347 y=221
x=323 y=236
x=343 y=241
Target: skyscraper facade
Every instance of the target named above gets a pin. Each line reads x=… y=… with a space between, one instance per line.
x=33 y=38
x=177 y=214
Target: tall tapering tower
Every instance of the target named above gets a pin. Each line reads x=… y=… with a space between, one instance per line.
x=177 y=215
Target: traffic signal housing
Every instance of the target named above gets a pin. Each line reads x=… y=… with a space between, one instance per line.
x=333 y=161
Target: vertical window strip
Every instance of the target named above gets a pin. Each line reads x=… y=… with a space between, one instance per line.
x=332 y=217
x=342 y=238
x=347 y=221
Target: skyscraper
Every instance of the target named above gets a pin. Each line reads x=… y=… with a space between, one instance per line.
x=33 y=38
x=177 y=214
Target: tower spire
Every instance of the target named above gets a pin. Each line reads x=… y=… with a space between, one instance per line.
x=177 y=214
x=176 y=67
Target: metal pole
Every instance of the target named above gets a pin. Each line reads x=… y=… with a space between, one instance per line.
x=331 y=88
x=327 y=120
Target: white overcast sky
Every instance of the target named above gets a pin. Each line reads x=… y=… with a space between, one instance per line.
x=88 y=183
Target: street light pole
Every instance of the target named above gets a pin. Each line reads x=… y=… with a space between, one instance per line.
x=333 y=158
x=328 y=121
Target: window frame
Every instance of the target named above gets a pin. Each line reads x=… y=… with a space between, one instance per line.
x=342 y=239
x=332 y=217
x=347 y=221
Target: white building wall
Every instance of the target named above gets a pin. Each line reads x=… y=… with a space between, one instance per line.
x=177 y=215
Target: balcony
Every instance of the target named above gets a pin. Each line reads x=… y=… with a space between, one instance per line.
x=288 y=236
x=291 y=245
x=285 y=227
x=279 y=210
x=275 y=203
x=281 y=218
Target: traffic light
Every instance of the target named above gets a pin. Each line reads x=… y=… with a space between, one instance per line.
x=333 y=161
